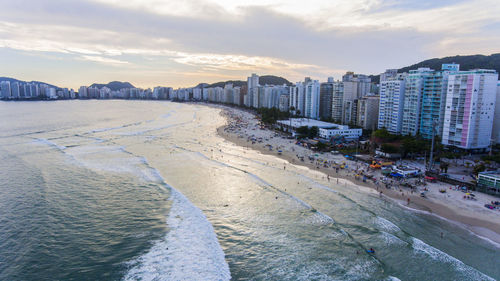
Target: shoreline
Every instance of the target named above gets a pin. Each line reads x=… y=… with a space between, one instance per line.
x=486 y=230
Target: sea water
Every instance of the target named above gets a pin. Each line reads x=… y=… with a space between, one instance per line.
x=145 y=190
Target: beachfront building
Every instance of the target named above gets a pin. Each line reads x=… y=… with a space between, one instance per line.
x=325 y=99
x=5 y=89
x=284 y=102
x=326 y=129
x=312 y=90
x=392 y=93
x=15 y=92
x=340 y=131
x=469 y=109
x=337 y=101
x=424 y=101
x=350 y=112
x=412 y=101
x=253 y=91
x=495 y=134
x=489 y=182
x=368 y=112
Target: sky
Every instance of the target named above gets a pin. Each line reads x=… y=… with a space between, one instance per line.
x=151 y=43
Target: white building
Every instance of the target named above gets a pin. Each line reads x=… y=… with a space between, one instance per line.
x=338 y=101
x=340 y=131
x=326 y=130
x=5 y=90
x=312 y=96
x=297 y=98
x=470 y=109
x=392 y=94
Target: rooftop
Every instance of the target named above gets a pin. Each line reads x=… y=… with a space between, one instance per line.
x=492 y=174
x=299 y=122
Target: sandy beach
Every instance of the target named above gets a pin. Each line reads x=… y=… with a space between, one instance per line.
x=242 y=127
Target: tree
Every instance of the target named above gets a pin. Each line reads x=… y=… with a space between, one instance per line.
x=313 y=132
x=389 y=148
x=444 y=167
x=478 y=168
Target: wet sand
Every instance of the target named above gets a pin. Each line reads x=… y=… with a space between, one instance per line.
x=484 y=223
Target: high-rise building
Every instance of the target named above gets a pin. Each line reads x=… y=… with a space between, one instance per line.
x=228 y=93
x=16 y=93
x=470 y=108
x=298 y=98
x=350 y=112
x=388 y=74
x=355 y=85
x=312 y=89
x=82 y=92
x=237 y=96
x=412 y=101
x=284 y=102
x=392 y=93
x=424 y=101
x=338 y=101
x=368 y=112
x=326 y=99
x=253 y=91
x=496 y=119
x=5 y=90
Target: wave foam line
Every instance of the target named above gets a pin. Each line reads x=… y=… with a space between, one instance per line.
x=49 y=143
x=471 y=273
x=190 y=249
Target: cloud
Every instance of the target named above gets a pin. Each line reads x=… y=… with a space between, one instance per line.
x=103 y=60
x=290 y=38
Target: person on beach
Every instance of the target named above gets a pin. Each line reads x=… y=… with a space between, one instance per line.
x=408 y=200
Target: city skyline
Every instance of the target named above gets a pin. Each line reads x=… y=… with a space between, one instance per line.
x=151 y=43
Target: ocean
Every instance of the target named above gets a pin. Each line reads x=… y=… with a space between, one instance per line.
x=147 y=190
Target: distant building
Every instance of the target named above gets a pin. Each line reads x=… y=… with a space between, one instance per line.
x=388 y=74
x=297 y=98
x=5 y=90
x=15 y=91
x=350 y=112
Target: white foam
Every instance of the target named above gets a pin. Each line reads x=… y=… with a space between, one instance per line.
x=421 y=247
x=189 y=251
x=386 y=225
x=391 y=239
x=49 y=143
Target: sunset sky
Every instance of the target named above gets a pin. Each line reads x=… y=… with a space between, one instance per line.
x=182 y=43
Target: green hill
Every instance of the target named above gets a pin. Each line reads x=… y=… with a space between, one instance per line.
x=114 y=85
x=263 y=80
x=466 y=63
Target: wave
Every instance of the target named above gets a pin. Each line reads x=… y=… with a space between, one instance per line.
x=189 y=251
x=49 y=143
x=471 y=273
x=386 y=224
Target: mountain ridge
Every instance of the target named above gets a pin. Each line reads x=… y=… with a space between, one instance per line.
x=466 y=63
x=114 y=85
